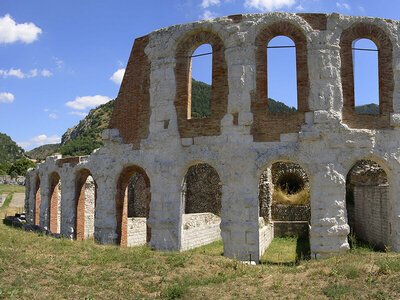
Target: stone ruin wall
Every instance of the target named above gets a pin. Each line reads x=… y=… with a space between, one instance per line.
x=151 y=131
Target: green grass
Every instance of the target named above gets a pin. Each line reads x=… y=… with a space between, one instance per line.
x=7 y=202
x=286 y=250
x=10 y=188
x=34 y=266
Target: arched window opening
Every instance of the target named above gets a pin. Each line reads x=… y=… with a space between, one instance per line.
x=55 y=203
x=367 y=204
x=37 y=200
x=366 y=77
x=282 y=75
x=284 y=199
x=85 y=200
x=133 y=207
x=200 y=83
x=202 y=194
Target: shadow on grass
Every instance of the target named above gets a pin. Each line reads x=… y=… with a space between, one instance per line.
x=287 y=251
x=303 y=251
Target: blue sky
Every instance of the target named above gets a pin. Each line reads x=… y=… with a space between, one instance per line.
x=60 y=58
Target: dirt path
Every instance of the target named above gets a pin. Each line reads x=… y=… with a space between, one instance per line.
x=18 y=200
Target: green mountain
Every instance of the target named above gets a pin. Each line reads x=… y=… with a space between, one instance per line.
x=201 y=102
x=371 y=109
x=9 y=150
x=41 y=152
x=83 y=138
x=277 y=107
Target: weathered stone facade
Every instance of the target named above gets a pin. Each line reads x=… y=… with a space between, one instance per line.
x=150 y=132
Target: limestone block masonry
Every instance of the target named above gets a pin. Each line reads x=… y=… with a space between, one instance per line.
x=150 y=132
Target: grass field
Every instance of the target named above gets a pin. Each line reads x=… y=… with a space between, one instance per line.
x=5 y=210
x=11 y=188
x=34 y=266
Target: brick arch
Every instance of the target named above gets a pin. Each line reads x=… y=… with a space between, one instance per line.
x=122 y=202
x=268 y=126
x=385 y=71
x=38 y=200
x=80 y=202
x=54 y=180
x=219 y=92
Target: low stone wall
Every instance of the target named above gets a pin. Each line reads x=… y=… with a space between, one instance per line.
x=291 y=228
x=136 y=232
x=199 y=230
x=266 y=233
x=282 y=212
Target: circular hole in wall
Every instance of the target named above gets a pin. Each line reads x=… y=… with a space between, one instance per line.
x=290 y=182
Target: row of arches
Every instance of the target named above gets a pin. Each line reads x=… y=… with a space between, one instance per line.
x=367 y=202
x=286 y=74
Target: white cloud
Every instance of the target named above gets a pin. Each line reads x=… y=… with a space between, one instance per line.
x=117 y=76
x=46 y=109
x=19 y=74
x=208 y=15
x=59 y=62
x=12 y=72
x=268 y=4
x=46 y=73
x=81 y=103
x=78 y=113
x=40 y=140
x=361 y=8
x=207 y=3
x=53 y=116
x=299 y=7
x=343 y=5
x=6 y=98
x=11 y=32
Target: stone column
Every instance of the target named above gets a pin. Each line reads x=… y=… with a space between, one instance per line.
x=68 y=206
x=239 y=214
x=105 y=223
x=329 y=228
x=165 y=208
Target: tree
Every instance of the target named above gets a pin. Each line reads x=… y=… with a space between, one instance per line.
x=20 y=167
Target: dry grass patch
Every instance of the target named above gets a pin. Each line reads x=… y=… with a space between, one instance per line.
x=33 y=266
x=302 y=197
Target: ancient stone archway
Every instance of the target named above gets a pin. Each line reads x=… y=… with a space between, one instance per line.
x=85 y=201
x=132 y=231
x=55 y=203
x=201 y=198
x=367 y=203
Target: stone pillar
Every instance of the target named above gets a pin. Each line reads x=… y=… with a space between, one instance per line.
x=394 y=213
x=329 y=228
x=105 y=223
x=67 y=204
x=239 y=214
x=29 y=196
x=45 y=203
x=165 y=209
